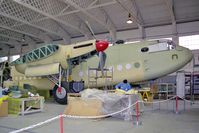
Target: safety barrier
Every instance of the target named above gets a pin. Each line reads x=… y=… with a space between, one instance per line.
x=61 y=116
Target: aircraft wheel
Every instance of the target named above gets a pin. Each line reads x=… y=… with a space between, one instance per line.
x=60 y=95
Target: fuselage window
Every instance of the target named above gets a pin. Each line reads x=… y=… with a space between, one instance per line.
x=145 y=49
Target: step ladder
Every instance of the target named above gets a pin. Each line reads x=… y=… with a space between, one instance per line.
x=94 y=74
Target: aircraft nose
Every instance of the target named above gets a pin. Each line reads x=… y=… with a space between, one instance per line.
x=101 y=45
x=187 y=54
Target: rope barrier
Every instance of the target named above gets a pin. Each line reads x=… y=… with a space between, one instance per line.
x=70 y=116
x=190 y=101
x=36 y=125
x=88 y=117
x=160 y=101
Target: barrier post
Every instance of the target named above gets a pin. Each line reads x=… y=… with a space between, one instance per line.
x=137 y=122
x=137 y=112
x=184 y=104
x=176 y=104
x=173 y=104
x=191 y=103
x=167 y=105
x=61 y=124
x=159 y=101
x=152 y=106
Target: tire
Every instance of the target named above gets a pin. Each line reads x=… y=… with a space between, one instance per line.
x=60 y=98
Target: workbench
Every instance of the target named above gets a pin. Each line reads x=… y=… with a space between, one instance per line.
x=27 y=109
x=24 y=106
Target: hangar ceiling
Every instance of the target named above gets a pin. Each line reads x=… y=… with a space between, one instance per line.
x=29 y=22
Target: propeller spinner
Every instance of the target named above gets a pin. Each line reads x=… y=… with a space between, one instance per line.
x=100 y=47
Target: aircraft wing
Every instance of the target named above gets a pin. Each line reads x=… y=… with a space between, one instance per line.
x=42 y=70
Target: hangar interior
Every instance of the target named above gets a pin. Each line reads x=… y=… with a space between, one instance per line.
x=51 y=46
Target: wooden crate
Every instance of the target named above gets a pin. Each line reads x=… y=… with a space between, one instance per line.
x=82 y=107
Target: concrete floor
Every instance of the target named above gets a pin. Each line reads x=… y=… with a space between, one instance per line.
x=153 y=121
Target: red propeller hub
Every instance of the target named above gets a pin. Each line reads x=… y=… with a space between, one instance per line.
x=101 y=45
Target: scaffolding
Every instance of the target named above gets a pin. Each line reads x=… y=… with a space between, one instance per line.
x=94 y=74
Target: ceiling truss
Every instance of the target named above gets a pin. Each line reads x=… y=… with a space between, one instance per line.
x=22 y=32
x=169 y=4
x=100 y=16
x=10 y=37
x=28 y=18
x=42 y=10
x=135 y=14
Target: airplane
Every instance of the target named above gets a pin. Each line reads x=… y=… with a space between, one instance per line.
x=46 y=67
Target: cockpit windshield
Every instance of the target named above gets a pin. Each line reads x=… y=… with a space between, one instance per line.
x=161 y=45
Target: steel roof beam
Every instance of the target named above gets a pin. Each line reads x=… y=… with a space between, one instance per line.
x=5 y=45
x=1 y=1
x=6 y=36
x=64 y=10
x=141 y=20
x=5 y=48
x=137 y=10
x=94 y=2
x=135 y=18
x=12 y=35
x=4 y=42
x=22 y=32
x=11 y=41
x=77 y=28
x=28 y=23
x=104 y=19
x=76 y=11
x=8 y=45
x=169 y=4
x=90 y=7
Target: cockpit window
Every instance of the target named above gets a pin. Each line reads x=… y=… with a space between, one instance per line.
x=145 y=49
x=158 y=47
x=161 y=46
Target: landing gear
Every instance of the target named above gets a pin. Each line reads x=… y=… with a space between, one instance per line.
x=60 y=94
